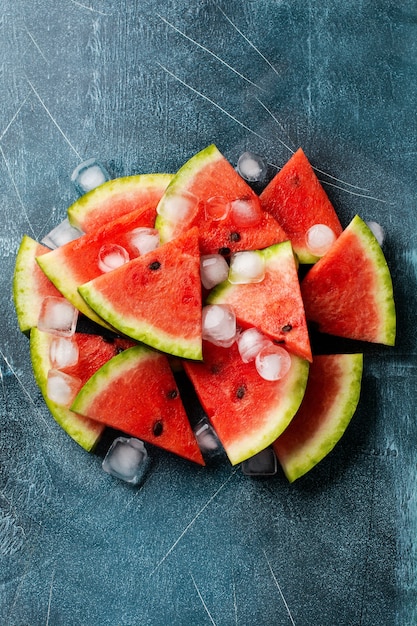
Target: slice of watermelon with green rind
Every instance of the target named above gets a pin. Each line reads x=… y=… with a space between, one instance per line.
x=85 y=431
x=208 y=174
x=349 y=293
x=155 y=298
x=77 y=262
x=274 y=305
x=247 y=412
x=329 y=403
x=297 y=200
x=115 y=198
x=30 y=285
x=136 y=392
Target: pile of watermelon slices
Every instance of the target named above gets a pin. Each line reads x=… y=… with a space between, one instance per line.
x=147 y=310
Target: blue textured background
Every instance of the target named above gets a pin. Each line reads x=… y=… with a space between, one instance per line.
x=143 y=86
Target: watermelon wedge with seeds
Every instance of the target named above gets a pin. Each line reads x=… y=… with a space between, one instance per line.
x=330 y=401
x=349 y=293
x=297 y=200
x=155 y=298
x=136 y=392
x=209 y=175
x=274 y=306
x=247 y=412
x=115 y=198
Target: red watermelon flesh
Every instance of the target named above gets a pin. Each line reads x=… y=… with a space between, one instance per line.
x=209 y=175
x=297 y=200
x=76 y=262
x=274 y=306
x=349 y=292
x=155 y=298
x=247 y=412
x=136 y=393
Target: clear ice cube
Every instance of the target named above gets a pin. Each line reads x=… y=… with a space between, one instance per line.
x=207 y=439
x=57 y=316
x=213 y=270
x=262 y=464
x=144 y=239
x=250 y=342
x=378 y=231
x=63 y=352
x=61 y=234
x=62 y=388
x=219 y=325
x=178 y=208
x=251 y=167
x=127 y=459
x=216 y=208
x=319 y=239
x=272 y=362
x=246 y=212
x=88 y=175
x=111 y=256
x=246 y=267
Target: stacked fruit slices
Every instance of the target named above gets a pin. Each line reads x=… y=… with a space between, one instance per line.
x=137 y=273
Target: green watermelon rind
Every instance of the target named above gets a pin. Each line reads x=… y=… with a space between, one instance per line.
x=140 y=330
x=90 y=202
x=180 y=183
x=82 y=430
x=279 y=416
x=338 y=416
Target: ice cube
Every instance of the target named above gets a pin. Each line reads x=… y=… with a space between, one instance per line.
x=378 y=231
x=251 y=167
x=219 y=325
x=178 y=208
x=63 y=352
x=246 y=212
x=272 y=362
x=111 y=256
x=250 y=342
x=319 y=239
x=207 y=439
x=213 y=270
x=216 y=208
x=246 y=267
x=57 y=316
x=262 y=464
x=144 y=239
x=127 y=459
x=62 y=388
x=88 y=175
x=61 y=234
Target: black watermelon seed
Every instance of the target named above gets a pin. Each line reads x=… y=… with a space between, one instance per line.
x=215 y=368
x=235 y=237
x=240 y=392
x=158 y=427
x=155 y=265
x=173 y=393
x=224 y=251
x=286 y=328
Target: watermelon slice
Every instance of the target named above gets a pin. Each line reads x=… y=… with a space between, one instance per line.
x=76 y=262
x=94 y=352
x=330 y=400
x=274 y=305
x=155 y=298
x=206 y=176
x=136 y=392
x=349 y=292
x=30 y=285
x=115 y=198
x=297 y=200
x=247 y=412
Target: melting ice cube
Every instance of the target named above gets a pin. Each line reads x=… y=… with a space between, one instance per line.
x=250 y=342
x=319 y=239
x=144 y=239
x=207 y=438
x=61 y=234
x=57 y=316
x=272 y=362
x=251 y=167
x=88 y=175
x=378 y=231
x=219 y=325
x=63 y=352
x=178 y=207
x=262 y=464
x=246 y=212
x=216 y=208
x=111 y=256
x=127 y=459
x=62 y=388
x=247 y=267
x=213 y=270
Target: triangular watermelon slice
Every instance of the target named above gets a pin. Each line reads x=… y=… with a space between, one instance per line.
x=136 y=392
x=208 y=176
x=155 y=298
x=274 y=305
x=330 y=400
x=247 y=412
x=77 y=262
x=297 y=200
x=349 y=292
x=115 y=198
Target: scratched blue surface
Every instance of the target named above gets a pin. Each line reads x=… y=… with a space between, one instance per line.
x=143 y=86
